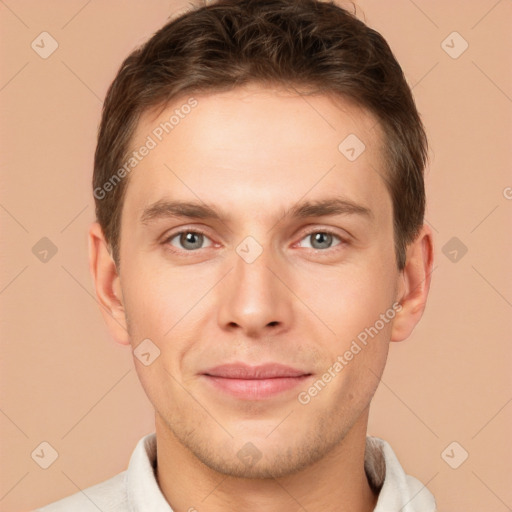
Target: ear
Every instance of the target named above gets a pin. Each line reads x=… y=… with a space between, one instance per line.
x=107 y=284
x=414 y=284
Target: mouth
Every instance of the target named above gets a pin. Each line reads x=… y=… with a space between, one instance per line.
x=247 y=382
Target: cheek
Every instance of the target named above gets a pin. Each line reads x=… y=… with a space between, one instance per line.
x=158 y=297
x=347 y=300
x=162 y=304
x=154 y=308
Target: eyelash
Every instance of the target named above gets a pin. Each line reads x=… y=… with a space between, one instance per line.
x=167 y=240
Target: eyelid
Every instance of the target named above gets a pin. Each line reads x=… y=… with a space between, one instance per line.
x=343 y=240
x=307 y=231
x=344 y=235
x=168 y=237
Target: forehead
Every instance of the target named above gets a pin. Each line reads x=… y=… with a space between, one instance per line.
x=270 y=145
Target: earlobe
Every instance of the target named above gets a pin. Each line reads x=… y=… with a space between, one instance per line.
x=415 y=285
x=107 y=285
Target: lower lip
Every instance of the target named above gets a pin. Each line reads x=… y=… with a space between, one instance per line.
x=256 y=389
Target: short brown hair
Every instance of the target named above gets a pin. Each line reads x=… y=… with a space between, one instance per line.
x=292 y=43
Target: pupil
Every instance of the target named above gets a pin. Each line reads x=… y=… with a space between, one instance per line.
x=189 y=239
x=323 y=238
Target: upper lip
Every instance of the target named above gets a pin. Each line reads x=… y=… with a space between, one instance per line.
x=245 y=371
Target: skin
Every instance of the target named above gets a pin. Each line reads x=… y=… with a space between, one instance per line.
x=252 y=153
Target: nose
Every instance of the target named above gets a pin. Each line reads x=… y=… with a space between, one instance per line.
x=254 y=298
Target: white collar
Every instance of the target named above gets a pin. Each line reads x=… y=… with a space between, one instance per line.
x=397 y=491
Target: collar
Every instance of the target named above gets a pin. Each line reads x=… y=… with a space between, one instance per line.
x=397 y=491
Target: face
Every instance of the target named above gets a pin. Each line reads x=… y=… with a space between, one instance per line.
x=285 y=256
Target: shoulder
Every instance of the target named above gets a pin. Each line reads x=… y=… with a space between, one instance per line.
x=107 y=496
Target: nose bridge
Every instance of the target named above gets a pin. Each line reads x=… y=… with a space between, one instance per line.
x=253 y=297
x=252 y=264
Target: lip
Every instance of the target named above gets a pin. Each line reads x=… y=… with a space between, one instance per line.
x=245 y=371
x=255 y=382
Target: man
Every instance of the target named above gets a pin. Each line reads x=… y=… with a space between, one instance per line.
x=259 y=242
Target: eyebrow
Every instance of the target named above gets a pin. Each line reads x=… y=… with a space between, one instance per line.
x=196 y=210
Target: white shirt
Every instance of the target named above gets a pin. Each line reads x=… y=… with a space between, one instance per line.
x=136 y=489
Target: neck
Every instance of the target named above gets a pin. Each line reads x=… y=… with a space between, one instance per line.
x=337 y=482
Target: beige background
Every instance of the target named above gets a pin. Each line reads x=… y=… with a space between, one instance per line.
x=64 y=381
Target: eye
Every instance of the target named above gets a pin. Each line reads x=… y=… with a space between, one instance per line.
x=189 y=240
x=321 y=240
